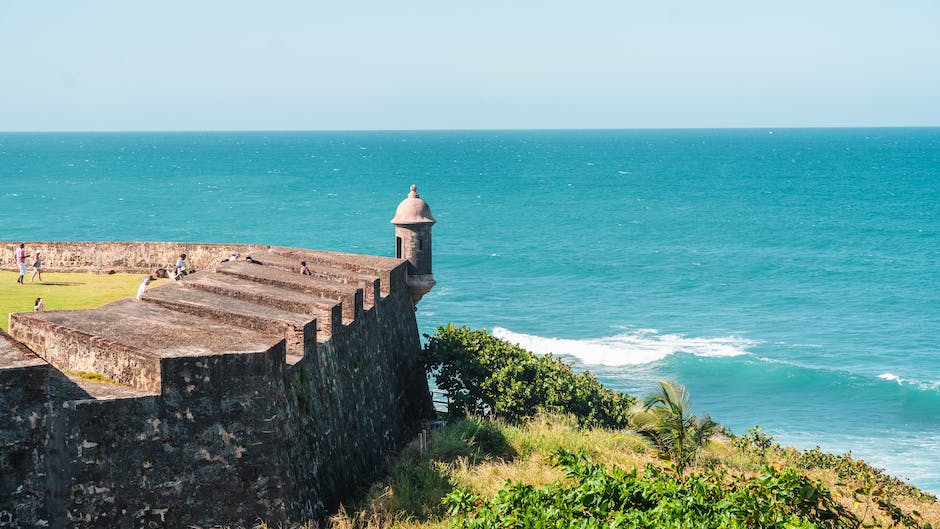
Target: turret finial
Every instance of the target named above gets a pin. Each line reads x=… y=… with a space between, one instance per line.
x=414 y=192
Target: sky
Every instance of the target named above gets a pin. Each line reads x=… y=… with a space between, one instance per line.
x=101 y=65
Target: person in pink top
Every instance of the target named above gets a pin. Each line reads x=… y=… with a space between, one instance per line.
x=21 y=262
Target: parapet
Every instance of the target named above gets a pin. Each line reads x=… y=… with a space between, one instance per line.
x=241 y=391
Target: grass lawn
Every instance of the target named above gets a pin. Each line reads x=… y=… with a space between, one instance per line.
x=64 y=291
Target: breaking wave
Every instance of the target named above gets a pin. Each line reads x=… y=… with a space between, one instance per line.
x=640 y=346
x=926 y=386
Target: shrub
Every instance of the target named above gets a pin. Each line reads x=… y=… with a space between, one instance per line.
x=595 y=497
x=483 y=375
x=755 y=440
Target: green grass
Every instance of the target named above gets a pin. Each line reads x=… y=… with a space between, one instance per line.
x=61 y=291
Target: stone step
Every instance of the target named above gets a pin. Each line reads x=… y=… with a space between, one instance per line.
x=14 y=355
x=62 y=386
x=297 y=329
x=276 y=260
x=380 y=267
x=71 y=386
x=349 y=295
x=369 y=283
x=328 y=311
x=127 y=341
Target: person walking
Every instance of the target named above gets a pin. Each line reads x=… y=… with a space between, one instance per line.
x=20 y=255
x=37 y=267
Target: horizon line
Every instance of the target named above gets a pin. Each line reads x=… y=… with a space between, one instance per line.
x=551 y=129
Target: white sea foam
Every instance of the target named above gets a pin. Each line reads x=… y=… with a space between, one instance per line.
x=889 y=376
x=925 y=386
x=635 y=347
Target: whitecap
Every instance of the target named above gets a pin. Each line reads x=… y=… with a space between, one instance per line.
x=921 y=385
x=635 y=347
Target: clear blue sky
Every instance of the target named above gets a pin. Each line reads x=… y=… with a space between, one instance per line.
x=309 y=65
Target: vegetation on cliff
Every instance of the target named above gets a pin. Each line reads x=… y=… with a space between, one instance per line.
x=666 y=419
x=551 y=472
x=485 y=376
x=524 y=458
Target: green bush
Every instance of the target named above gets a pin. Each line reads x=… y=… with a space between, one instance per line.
x=756 y=441
x=483 y=375
x=595 y=497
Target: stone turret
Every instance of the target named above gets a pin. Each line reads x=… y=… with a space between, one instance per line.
x=413 y=223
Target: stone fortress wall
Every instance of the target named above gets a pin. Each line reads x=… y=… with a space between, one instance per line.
x=241 y=392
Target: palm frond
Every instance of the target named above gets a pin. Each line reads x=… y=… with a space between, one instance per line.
x=665 y=418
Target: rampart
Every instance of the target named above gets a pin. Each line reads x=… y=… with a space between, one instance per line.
x=241 y=392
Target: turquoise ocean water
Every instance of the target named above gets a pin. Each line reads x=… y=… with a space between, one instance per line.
x=789 y=278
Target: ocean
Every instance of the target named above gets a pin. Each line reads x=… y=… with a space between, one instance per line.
x=789 y=278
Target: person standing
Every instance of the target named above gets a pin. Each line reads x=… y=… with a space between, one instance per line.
x=143 y=287
x=20 y=255
x=37 y=267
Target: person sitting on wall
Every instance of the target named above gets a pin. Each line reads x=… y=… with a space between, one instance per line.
x=248 y=259
x=38 y=306
x=180 y=271
x=304 y=271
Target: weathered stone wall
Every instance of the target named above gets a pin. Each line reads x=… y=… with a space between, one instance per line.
x=24 y=412
x=358 y=398
x=209 y=449
x=104 y=257
x=115 y=361
x=226 y=439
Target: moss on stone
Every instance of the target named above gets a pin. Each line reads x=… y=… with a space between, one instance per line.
x=91 y=376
